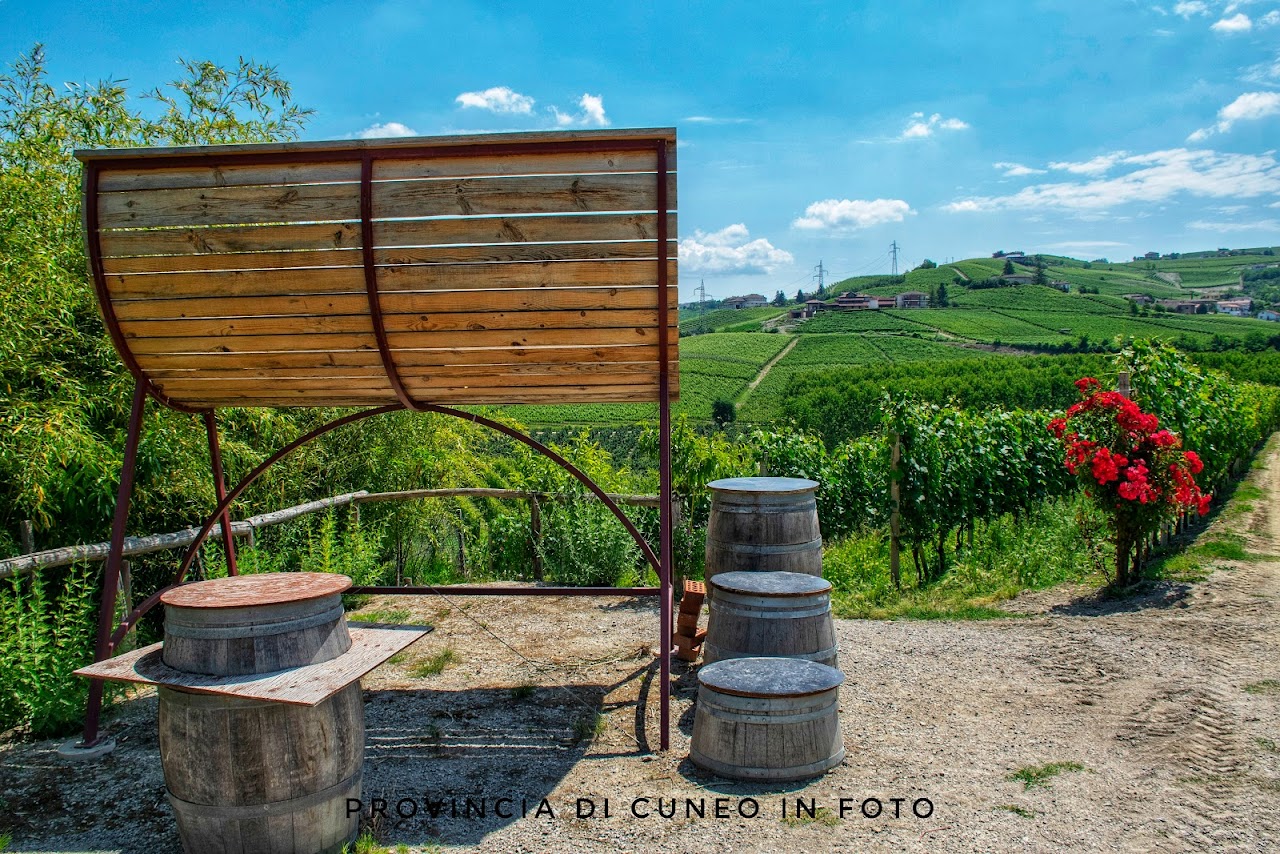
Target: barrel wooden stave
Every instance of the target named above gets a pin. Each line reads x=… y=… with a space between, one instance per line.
x=763 y=525
x=247 y=640
x=249 y=775
x=777 y=729
x=780 y=614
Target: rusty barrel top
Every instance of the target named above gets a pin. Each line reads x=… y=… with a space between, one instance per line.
x=247 y=591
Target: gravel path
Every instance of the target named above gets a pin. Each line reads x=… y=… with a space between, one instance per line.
x=1168 y=704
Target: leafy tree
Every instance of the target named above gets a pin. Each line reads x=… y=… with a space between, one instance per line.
x=723 y=412
x=779 y=299
x=800 y=297
x=942 y=300
x=926 y=264
x=1008 y=268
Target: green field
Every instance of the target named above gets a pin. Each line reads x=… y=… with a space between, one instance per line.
x=692 y=321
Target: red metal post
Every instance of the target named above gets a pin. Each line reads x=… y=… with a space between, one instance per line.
x=111 y=575
x=664 y=459
x=220 y=488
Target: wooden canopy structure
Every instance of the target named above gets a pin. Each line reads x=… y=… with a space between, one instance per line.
x=420 y=273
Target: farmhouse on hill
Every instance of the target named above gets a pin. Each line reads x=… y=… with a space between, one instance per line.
x=749 y=301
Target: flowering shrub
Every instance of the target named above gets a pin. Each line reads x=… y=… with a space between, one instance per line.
x=1134 y=470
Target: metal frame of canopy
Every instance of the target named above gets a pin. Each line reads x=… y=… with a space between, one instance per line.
x=367 y=154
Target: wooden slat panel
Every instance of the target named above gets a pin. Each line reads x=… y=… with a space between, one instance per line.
x=519 y=229
x=463 y=322
x=565 y=163
x=549 y=274
x=496 y=358
x=301 y=327
x=227 y=175
x=236 y=284
x=340 y=280
x=506 y=252
x=525 y=299
x=474 y=374
x=214 y=206
x=276 y=396
x=514 y=339
x=184 y=388
x=235 y=238
x=551 y=194
x=236 y=261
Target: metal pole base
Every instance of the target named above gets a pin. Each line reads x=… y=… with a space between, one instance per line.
x=76 y=751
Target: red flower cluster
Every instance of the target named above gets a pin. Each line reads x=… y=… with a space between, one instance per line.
x=1126 y=462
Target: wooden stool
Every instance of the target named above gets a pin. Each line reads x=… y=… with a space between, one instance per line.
x=772 y=614
x=767 y=719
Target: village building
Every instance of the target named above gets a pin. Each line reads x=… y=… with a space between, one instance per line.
x=1140 y=299
x=911 y=299
x=849 y=301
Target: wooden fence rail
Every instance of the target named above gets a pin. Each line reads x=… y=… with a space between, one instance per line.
x=49 y=558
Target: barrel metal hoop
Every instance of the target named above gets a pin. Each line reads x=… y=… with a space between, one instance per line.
x=258 y=630
x=754 y=611
x=712 y=652
x=247 y=812
x=739 y=772
x=745 y=549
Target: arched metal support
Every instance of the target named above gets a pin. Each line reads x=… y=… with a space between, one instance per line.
x=105 y=650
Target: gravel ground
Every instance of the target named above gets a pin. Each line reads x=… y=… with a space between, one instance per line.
x=1168 y=703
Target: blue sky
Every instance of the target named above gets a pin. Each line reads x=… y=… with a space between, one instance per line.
x=809 y=131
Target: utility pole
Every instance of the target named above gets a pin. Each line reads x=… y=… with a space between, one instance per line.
x=893 y=250
x=702 y=297
x=820 y=276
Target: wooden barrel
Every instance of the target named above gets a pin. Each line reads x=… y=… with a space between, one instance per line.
x=767 y=719
x=250 y=775
x=771 y=614
x=763 y=524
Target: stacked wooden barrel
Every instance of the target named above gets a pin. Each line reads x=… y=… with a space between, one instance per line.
x=768 y=693
x=248 y=774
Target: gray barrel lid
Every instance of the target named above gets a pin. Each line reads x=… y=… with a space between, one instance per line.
x=774 y=485
x=769 y=677
x=771 y=583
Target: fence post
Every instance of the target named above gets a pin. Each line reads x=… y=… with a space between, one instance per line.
x=535 y=536
x=126 y=605
x=895 y=519
x=1122 y=384
x=26 y=537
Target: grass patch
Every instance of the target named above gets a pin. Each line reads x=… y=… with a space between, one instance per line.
x=588 y=729
x=822 y=815
x=397 y=617
x=1017 y=810
x=1221 y=549
x=1048 y=546
x=1266 y=686
x=366 y=844
x=1268 y=745
x=435 y=665
x=1038 y=776
x=523 y=692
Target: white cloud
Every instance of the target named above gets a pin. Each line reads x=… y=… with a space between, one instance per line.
x=714 y=120
x=386 y=129
x=849 y=214
x=731 y=251
x=1270 y=19
x=498 y=99
x=1226 y=227
x=1188 y=8
x=592 y=107
x=1238 y=23
x=1017 y=170
x=919 y=127
x=1250 y=106
x=1097 y=166
x=1156 y=177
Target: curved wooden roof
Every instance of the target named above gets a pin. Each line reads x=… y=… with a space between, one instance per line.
x=497 y=269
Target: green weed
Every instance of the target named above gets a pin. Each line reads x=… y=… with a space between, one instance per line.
x=523 y=692
x=588 y=729
x=1017 y=810
x=392 y=617
x=435 y=665
x=1266 y=686
x=822 y=815
x=1034 y=776
x=1268 y=745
